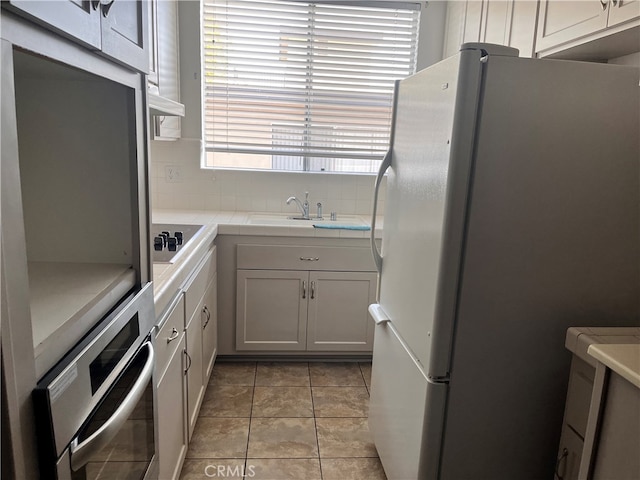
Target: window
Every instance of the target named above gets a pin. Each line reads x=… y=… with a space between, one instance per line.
x=298 y=85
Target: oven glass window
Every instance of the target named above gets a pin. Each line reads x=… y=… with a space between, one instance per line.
x=129 y=454
x=107 y=360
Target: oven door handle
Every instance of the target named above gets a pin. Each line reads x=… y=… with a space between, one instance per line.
x=81 y=453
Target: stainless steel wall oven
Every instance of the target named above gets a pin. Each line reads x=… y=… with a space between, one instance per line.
x=95 y=409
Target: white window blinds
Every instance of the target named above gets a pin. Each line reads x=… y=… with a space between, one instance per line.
x=295 y=85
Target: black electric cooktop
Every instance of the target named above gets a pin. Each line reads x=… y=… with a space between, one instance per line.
x=169 y=240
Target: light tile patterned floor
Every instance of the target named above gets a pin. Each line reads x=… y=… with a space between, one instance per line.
x=285 y=420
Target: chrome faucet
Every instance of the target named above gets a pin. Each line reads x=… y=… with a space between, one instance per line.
x=304 y=207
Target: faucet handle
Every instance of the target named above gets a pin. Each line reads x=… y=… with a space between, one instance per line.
x=306 y=196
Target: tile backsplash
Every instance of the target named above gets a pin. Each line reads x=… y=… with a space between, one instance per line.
x=178 y=182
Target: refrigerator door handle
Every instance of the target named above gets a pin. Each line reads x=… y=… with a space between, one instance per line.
x=386 y=163
x=377 y=257
x=379 y=316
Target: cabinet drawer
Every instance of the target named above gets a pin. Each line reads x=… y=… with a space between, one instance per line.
x=169 y=336
x=300 y=257
x=197 y=284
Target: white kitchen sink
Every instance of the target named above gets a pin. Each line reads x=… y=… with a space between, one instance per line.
x=285 y=219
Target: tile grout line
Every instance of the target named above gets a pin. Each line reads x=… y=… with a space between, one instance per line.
x=253 y=396
x=315 y=423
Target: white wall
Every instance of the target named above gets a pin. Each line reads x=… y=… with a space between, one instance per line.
x=250 y=190
x=257 y=191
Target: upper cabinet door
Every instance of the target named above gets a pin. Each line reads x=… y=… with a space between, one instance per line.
x=124 y=32
x=77 y=19
x=623 y=10
x=454 y=28
x=496 y=25
x=524 y=18
x=116 y=28
x=473 y=21
x=562 y=21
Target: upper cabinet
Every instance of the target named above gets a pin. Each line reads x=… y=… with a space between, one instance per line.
x=623 y=10
x=164 y=75
x=564 y=24
x=594 y=30
x=454 y=28
x=511 y=23
x=504 y=22
x=115 y=28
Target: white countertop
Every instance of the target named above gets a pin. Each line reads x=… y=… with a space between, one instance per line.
x=622 y=359
x=579 y=339
x=237 y=223
x=168 y=278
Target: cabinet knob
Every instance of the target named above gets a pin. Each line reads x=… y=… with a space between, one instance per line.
x=603 y=4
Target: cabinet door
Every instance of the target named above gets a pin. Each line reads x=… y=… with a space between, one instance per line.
x=193 y=372
x=172 y=435
x=168 y=70
x=454 y=28
x=561 y=21
x=209 y=317
x=77 y=19
x=338 y=311
x=497 y=21
x=472 y=21
x=271 y=310
x=622 y=11
x=569 y=454
x=619 y=438
x=522 y=34
x=125 y=35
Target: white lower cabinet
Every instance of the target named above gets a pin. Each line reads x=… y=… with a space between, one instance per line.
x=171 y=396
x=186 y=347
x=338 y=316
x=271 y=310
x=197 y=293
x=281 y=308
x=193 y=371
x=209 y=320
x=172 y=440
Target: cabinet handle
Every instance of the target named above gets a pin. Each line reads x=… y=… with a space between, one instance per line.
x=604 y=4
x=95 y=4
x=189 y=361
x=174 y=334
x=309 y=259
x=106 y=6
x=304 y=289
x=205 y=310
x=313 y=290
x=565 y=454
x=614 y=3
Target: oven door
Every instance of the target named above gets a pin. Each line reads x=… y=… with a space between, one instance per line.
x=117 y=440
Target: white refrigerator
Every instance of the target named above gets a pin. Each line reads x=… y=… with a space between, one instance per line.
x=512 y=212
